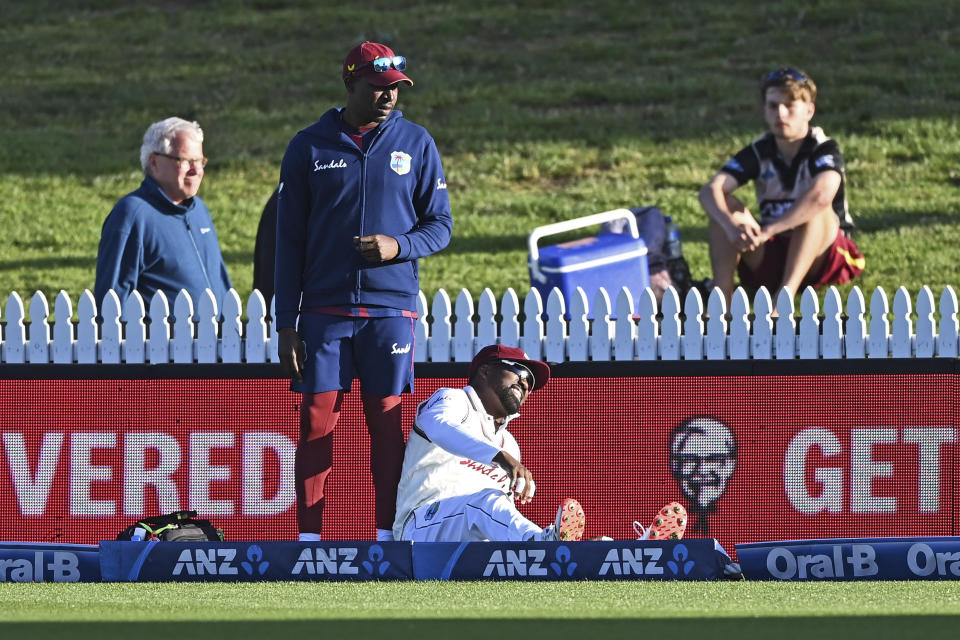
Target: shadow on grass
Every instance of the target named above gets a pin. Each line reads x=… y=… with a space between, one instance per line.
x=695 y=230
x=486 y=244
x=781 y=628
x=66 y=261
x=50 y=262
x=903 y=220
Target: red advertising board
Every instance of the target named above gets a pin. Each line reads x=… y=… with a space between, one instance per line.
x=753 y=458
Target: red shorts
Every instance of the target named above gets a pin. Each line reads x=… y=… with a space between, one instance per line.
x=844 y=263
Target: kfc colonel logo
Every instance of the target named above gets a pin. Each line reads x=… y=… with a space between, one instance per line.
x=703 y=457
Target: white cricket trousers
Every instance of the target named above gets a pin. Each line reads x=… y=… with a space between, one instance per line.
x=486 y=515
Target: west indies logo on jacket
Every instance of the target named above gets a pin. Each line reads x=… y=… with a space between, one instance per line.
x=400 y=162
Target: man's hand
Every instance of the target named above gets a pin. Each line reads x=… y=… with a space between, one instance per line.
x=292 y=354
x=742 y=230
x=377 y=248
x=521 y=480
x=744 y=233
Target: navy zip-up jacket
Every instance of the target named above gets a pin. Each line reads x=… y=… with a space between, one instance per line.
x=331 y=191
x=150 y=244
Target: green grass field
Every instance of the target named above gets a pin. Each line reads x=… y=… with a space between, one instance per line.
x=542 y=112
x=587 y=610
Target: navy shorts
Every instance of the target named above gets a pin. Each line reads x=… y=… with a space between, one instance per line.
x=377 y=350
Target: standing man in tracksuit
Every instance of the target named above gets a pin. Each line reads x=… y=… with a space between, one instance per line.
x=362 y=196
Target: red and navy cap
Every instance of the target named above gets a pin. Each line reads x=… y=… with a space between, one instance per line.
x=354 y=65
x=499 y=352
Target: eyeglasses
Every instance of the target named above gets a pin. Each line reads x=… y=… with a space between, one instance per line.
x=184 y=162
x=777 y=75
x=522 y=372
x=692 y=463
x=385 y=64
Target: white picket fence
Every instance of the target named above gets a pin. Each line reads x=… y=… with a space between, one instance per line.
x=627 y=330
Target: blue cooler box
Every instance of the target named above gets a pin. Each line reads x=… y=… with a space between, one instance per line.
x=608 y=260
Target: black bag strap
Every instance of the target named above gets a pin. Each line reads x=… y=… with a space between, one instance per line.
x=155 y=525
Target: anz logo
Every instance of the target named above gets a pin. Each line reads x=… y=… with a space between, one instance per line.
x=376 y=564
x=334 y=561
x=530 y=563
x=206 y=562
x=341 y=561
x=519 y=562
x=639 y=561
x=220 y=562
x=681 y=565
x=255 y=561
x=564 y=565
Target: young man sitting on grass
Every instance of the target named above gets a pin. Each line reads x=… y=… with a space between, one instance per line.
x=802 y=237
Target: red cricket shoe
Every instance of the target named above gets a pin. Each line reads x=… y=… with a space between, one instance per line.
x=669 y=524
x=570 y=522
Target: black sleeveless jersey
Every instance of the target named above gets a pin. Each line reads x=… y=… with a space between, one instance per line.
x=778 y=184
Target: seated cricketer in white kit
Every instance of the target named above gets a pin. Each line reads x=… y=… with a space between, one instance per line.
x=461 y=469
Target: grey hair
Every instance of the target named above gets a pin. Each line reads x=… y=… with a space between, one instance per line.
x=159 y=135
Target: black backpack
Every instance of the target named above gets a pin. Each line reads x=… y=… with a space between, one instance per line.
x=179 y=526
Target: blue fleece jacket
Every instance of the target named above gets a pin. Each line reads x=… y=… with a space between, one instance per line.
x=331 y=191
x=148 y=243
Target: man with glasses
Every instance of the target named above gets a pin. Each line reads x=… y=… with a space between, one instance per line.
x=161 y=236
x=462 y=470
x=802 y=237
x=703 y=457
x=362 y=196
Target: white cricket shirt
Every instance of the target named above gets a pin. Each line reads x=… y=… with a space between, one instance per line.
x=450 y=452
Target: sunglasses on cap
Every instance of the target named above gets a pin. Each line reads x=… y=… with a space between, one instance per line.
x=385 y=64
x=779 y=74
x=522 y=371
